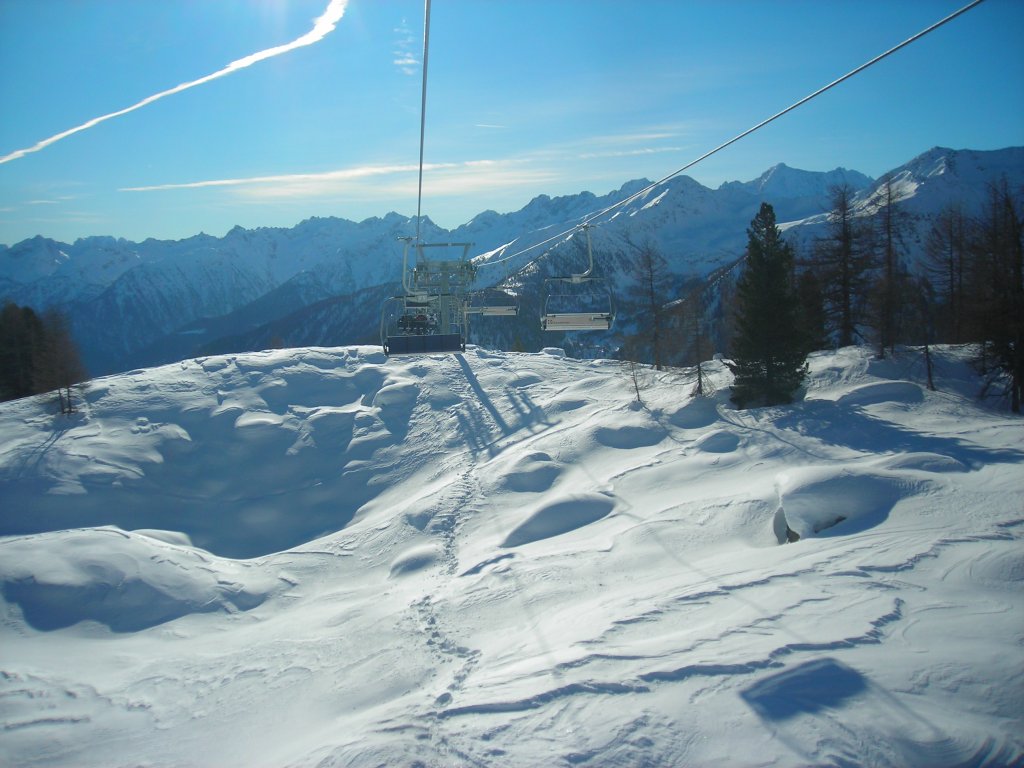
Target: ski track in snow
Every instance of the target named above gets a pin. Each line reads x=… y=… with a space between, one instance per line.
x=325 y=557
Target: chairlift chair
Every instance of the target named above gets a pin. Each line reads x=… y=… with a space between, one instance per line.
x=493 y=302
x=597 y=319
x=431 y=315
x=579 y=302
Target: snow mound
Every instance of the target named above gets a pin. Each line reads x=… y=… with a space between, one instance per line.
x=524 y=379
x=127 y=581
x=924 y=461
x=882 y=392
x=629 y=436
x=397 y=394
x=168 y=537
x=698 y=413
x=532 y=473
x=559 y=517
x=815 y=499
x=1002 y=568
x=415 y=559
x=718 y=441
x=561 y=404
x=628 y=430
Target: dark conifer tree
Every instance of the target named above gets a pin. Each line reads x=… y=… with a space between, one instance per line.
x=813 y=317
x=21 y=342
x=769 y=350
x=997 y=277
x=844 y=260
x=37 y=354
x=10 y=322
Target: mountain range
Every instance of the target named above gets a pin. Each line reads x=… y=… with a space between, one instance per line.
x=322 y=281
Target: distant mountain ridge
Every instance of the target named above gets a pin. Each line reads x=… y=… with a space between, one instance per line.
x=136 y=304
x=784 y=182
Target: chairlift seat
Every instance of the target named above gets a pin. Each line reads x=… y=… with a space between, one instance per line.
x=587 y=305
x=424 y=344
x=492 y=302
x=577 y=321
x=494 y=311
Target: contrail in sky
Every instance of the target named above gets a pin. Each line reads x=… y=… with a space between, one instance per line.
x=292 y=178
x=323 y=26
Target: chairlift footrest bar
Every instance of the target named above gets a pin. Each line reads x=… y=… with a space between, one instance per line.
x=424 y=344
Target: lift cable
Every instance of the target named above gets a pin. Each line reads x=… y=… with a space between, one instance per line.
x=588 y=218
x=423 y=113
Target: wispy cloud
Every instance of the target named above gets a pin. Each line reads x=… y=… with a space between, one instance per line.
x=484 y=176
x=377 y=181
x=322 y=26
x=629 y=152
x=633 y=138
x=405 y=50
x=313 y=182
x=561 y=166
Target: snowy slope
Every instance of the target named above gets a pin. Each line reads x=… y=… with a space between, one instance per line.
x=322 y=557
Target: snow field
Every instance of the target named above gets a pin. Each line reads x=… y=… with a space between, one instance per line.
x=325 y=557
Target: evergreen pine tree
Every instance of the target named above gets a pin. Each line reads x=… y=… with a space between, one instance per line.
x=811 y=306
x=770 y=346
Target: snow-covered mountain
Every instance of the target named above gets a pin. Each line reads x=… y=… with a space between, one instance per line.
x=924 y=186
x=785 y=183
x=323 y=557
x=140 y=303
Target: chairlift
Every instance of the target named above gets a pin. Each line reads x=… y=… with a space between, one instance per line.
x=579 y=302
x=493 y=302
x=575 y=317
x=431 y=314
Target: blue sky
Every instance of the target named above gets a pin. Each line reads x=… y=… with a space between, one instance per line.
x=321 y=118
